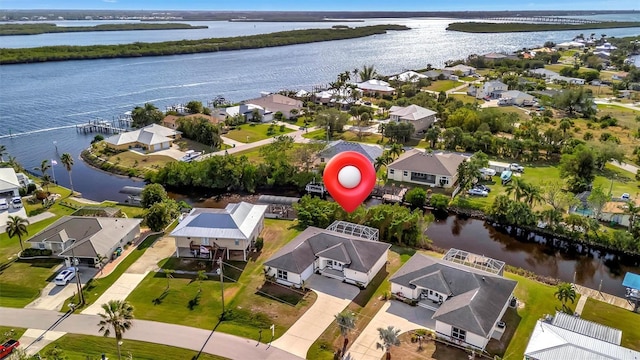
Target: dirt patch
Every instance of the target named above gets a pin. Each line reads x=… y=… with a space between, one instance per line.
x=430 y=350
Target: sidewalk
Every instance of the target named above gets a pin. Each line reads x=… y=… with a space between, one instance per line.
x=229 y=346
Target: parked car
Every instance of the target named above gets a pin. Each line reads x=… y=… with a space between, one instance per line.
x=625 y=196
x=65 y=276
x=8 y=347
x=488 y=172
x=482 y=187
x=478 y=192
x=516 y=167
x=3 y=204
x=16 y=202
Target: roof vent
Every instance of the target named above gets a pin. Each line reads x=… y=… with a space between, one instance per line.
x=483 y=279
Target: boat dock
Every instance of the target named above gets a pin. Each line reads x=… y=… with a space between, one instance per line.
x=100 y=126
x=544 y=20
x=395 y=197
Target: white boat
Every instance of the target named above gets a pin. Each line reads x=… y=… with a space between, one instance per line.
x=190 y=155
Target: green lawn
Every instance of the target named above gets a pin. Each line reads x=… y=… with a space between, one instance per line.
x=625 y=116
x=248 y=133
x=9 y=248
x=443 y=85
x=82 y=347
x=9 y=332
x=319 y=134
x=615 y=317
x=465 y=98
x=96 y=287
x=250 y=311
x=22 y=280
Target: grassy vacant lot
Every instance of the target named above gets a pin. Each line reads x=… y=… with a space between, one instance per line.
x=82 y=347
x=443 y=85
x=615 y=317
x=96 y=287
x=366 y=305
x=255 y=132
x=134 y=160
x=625 y=116
x=22 y=280
x=248 y=310
x=465 y=98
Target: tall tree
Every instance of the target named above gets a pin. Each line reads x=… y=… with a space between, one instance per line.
x=332 y=119
x=578 y=168
x=44 y=166
x=117 y=317
x=564 y=293
x=67 y=161
x=597 y=199
x=396 y=150
x=367 y=73
x=346 y=321
x=146 y=115
x=17 y=226
x=388 y=338
x=3 y=152
x=633 y=211
x=432 y=136
x=151 y=194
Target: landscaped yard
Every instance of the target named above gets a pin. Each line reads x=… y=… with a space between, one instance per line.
x=82 y=347
x=248 y=133
x=248 y=311
x=22 y=280
x=615 y=317
x=443 y=85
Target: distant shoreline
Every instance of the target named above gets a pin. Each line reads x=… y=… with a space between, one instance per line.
x=487 y=27
x=283 y=38
x=47 y=28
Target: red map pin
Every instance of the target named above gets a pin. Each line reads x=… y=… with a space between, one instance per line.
x=349 y=177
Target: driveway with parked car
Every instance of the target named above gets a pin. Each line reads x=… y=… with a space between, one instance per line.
x=52 y=297
x=12 y=209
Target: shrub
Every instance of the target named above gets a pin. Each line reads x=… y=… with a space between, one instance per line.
x=41 y=194
x=29 y=252
x=259 y=244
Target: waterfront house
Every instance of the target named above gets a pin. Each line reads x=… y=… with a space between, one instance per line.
x=345 y=257
x=246 y=111
x=426 y=168
x=617 y=211
x=9 y=184
x=85 y=237
x=409 y=76
x=494 y=56
x=433 y=74
x=342 y=97
x=490 y=89
x=418 y=116
x=462 y=70
x=570 y=337
x=464 y=293
x=213 y=233
x=370 y=151
x=150 y=138
x=273 y=103
x=570 y=45
x=606 y=47
x=375 y=87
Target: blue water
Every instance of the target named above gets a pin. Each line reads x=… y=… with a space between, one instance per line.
x=43 y=102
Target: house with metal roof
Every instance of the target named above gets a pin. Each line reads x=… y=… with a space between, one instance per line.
x=569 y=337
x=409 y=76
x=339 y=255
x=371 y=152
x=214 y=233
x=9 y=183
x=516 y=97
x=463 y=70
x=467 y=298
x=421 y=118
x=85 y=237
x=149 y=139
x=374 y=86
x=426 y=168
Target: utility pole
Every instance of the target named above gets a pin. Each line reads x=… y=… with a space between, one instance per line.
x=221 y=283
x=77 y=271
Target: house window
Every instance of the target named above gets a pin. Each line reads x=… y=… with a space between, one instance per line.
x=329 y=262
x=321 y=159
x=405 y=173
x=458 y=334
x=237 y=242
x=283 y=275
x=444 y=181
x=41 y=246
x=391 y=171
x=205 y=241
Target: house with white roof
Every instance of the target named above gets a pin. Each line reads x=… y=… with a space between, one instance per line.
x=464 y=293
x=420 y=117
x=149 y=139
x=376 y=87
x=342 y=256
x=569 y=337
x=246 y=110
x=490 y=89
x=516 y=97
x=570 y=45
x=606 y=47
x=9 y=184
x=409 y=76
x=213 y=233
x=463 y=70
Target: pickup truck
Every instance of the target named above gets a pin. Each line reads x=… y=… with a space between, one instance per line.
x=8 y=347
x=516 y=167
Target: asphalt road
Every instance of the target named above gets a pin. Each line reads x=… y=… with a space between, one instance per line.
x=226 y=345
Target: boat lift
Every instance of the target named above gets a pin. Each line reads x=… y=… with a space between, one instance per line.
x=632 y=282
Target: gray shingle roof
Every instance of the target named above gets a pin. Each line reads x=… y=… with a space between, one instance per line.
x=436 y=163
x=371 y=152
x=302 y=251
x=476 y=297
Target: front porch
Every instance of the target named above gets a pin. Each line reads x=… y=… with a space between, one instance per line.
x=203 y=252
x=332 y=273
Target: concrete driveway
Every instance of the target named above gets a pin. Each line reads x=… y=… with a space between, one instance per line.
x=52 y=297
x=333 y=297
x=394 y=313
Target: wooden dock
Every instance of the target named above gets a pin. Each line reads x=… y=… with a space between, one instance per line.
x=99 y=126
x=608 y=298
x=395 y=198
x=545 y=20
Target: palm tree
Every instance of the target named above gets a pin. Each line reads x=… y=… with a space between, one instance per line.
x=169 y=274
x=531 y=193
x=3 y=151
x=67 y=161
x=388 y=338
x=201 y=276
x=117 y=316
x=633 y=210
x=46 y=181
x=396 y=150
x=564 y=125
x=515 y=187
x=565 y=292
x=101 y=260
x=367 y=73
x=346 y=321
x=44 y=166
x=17 y=226
x=383 y=160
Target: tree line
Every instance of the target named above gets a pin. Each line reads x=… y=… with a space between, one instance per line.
x=283 y=38
x=45 y=28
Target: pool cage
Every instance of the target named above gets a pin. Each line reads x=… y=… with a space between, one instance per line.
x=475 y=261
x=352 y=229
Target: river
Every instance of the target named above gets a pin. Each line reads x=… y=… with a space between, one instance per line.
x=41 y=103
x=537 y=256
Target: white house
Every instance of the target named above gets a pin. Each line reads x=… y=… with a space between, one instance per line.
x=273 y=103
x=420 y=117
x=463 y=70
x=467 y=302
x=490 y=89
x=374 y=86
x=569 y=337
x=150 y=138
x=247 y=111
x=9 y=184
x=409 y=76
x=431 y=169
x=606 y=47
x=515 y=97
x=86 y=237
x=544 y=73
x=212 y=233
x=344 y=257
x=570 y=45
